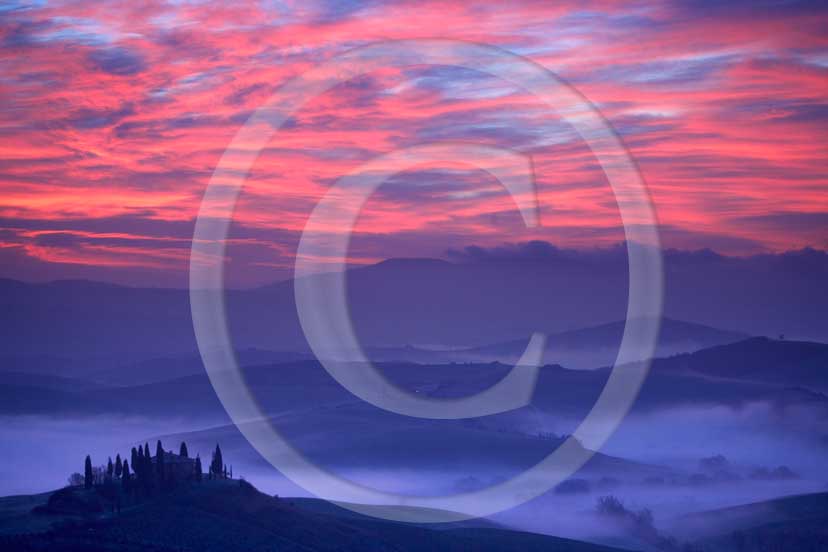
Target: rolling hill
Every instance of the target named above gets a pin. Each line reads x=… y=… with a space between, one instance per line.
x=596 y=346
x=416 y=302
x=749 y=370
x=759 y=359
x=790 y=523
x=228 y=516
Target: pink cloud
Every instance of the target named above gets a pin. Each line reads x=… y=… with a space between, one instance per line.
x=123 y=110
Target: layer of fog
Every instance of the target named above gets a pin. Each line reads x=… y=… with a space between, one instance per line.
x=40 y=453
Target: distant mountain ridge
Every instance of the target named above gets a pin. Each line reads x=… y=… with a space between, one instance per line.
x=426 y=302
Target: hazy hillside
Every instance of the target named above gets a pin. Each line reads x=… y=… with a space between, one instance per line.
x=598 y=345
x=791 y=363
x=584 y=348
x=714 y=415
x=47 y=381
x=427 y=302
x=731 y=375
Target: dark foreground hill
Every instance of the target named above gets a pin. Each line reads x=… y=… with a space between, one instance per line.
x=229 y=516
x=798 y=523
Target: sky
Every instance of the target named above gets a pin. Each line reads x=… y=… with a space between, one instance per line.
x=113 y=116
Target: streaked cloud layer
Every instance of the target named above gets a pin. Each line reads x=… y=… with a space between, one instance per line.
x=114 y=114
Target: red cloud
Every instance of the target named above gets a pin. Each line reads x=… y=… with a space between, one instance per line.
x=123 y=110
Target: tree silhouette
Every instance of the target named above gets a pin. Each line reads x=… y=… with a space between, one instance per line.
x=119 y=466
x=183 y=450
x=148 y=474
x=146 y=469
x=87 y=472
x=159 y=461
x=142 y=474
x=217 y=464
x=125 y=477
x=198 y=474
x=134 y=458
x=110 y=468
x=138 y=465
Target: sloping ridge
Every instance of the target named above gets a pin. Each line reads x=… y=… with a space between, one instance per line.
x=230 y=516
x=798 y=522
x=760 y=359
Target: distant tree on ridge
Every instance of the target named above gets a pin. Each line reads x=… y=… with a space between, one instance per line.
x=183 y=450
x=138 y=464
x=87 y=472
x=217 y=465
x=125 y=477
x=159 y=461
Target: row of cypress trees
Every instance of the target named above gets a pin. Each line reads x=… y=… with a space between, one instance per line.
x=139 y=474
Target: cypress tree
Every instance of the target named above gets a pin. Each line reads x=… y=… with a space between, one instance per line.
x=217 y=465
x=110 y=468
x=125 y=477
x=198 y=473
x=146 y=469
x=119 y=466
x=134 y=458
x=140 y=469
x=159 y=461
x=87 y=472
x=183 y=450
